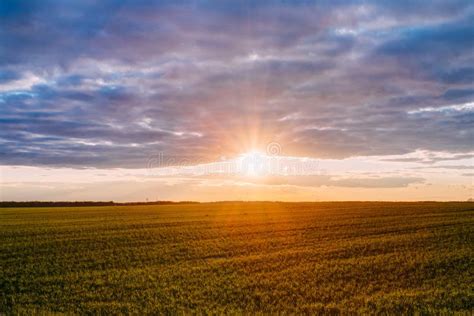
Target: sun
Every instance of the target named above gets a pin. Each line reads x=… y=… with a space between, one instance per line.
x=253 y=163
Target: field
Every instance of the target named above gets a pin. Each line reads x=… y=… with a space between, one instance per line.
x=233 y=258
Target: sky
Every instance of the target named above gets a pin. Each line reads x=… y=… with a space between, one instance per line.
x=236 y=100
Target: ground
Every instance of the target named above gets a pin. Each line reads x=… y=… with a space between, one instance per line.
x=232 y=258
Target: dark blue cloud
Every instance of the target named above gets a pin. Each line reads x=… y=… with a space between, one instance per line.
x=457 y=94
x=456 y=75
x=447 y=40
x=70 y=80
x=8 y=75
x=13 y=10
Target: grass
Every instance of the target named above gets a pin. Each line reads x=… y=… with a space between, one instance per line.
x=305 y=258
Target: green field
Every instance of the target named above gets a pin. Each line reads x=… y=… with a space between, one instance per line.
x=239 y=258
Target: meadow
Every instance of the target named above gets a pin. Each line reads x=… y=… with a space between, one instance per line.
x=239 y=258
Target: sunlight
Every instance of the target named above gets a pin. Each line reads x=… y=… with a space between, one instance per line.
x=253 y=154
x=253 y=163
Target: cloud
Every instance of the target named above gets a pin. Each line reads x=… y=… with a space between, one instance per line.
x=8 y=75
x=430 y=158
x=354 y=180
x=388 y=182
x=453 y=167
x=468 y=107
x=326 y=180
x=112 y=83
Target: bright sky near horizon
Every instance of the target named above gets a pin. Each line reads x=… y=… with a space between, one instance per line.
x=236 y=100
